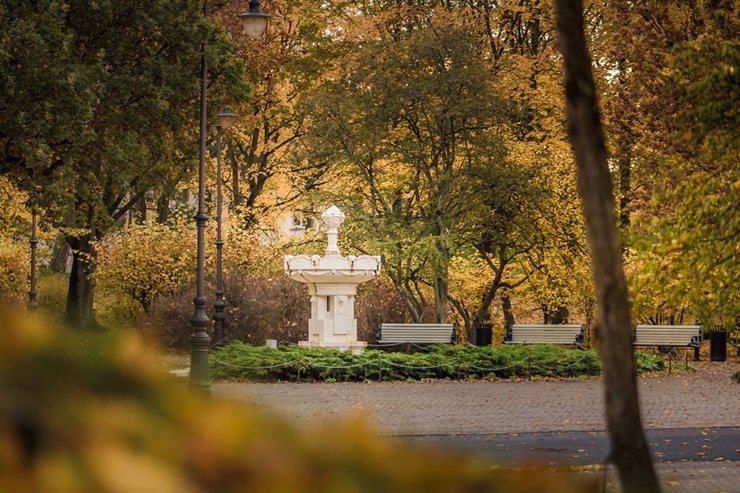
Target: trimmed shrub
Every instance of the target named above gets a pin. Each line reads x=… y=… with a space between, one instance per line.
x=238 y=361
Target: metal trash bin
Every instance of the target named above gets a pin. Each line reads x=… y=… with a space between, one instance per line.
x=483 y=334
x=718 y=343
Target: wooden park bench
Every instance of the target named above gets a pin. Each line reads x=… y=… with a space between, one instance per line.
x=682 y=336
x=667 y=339
x=561 y=334
x=392 y=333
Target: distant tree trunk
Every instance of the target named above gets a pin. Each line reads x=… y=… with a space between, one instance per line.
x=441 y=281
x=462 y=312
x=440 y=299
x=79 y=311
x=555 y=317
x=61 y=248
x=61 y=252
x=237 y=197
x=497 y=283
x=483 y=312
x=506 y=307
x=141 y=209
x=624 y=163
x=629 y=448
x=483 y=315
x=163 y=209
x=410 y=294
x=417 y=312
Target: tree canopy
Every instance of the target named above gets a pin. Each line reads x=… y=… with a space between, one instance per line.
x=437 y=126
x=97 y=106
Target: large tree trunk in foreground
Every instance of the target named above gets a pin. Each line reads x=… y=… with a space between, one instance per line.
x=629 y=448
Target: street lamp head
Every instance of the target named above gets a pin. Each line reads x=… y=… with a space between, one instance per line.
x=225 y=118
x=254 y=20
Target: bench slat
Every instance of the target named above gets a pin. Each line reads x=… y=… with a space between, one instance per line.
x=420 y=333
x=563 y=334
x=668 y=335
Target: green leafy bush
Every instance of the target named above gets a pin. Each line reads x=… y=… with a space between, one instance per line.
x=239 y=361
x=647 y=362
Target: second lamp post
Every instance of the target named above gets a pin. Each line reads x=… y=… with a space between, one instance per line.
x=255 y=23
x=225 y=119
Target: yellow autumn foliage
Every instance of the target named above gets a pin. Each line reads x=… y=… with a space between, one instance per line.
x=14 y=269
x=72 y=422
x=15 y=231
x=146 y=260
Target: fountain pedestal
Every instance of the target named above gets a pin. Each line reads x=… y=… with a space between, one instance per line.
x=332 y=284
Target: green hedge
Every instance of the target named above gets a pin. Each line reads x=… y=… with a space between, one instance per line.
x=238 y=361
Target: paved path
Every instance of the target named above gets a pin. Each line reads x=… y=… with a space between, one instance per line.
x=495 y=407
x=583 y=448
x=703 y=399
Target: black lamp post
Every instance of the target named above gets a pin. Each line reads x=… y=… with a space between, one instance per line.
x=32 y=303
x=225 y=119
x=255 y=23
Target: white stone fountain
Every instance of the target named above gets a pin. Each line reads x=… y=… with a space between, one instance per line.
x=332 y=283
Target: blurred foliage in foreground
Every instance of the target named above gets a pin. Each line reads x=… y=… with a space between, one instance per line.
x=239 y=361
x=70 y=422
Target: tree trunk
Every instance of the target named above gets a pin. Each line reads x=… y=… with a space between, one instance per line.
x=141 y=210
x=415 y=305
x=417 y=312
x=483 y=312
x=555 y=317
x=483 y=315
x=629 y=448
x=163 y=209
x=508 y=313
x=463 y=313
x=441 y=281
x=79 y=312
x=237 y=197
x=60 y=251
x=61 y=248
x=625 y=185
x=440 y=299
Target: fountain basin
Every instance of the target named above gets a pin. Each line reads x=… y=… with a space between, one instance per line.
x=332 y=269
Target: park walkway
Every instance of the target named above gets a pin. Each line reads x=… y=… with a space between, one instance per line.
x=704 y=398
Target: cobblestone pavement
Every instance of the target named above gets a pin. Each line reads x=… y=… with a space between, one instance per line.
x=689 y=400
x=705 y=398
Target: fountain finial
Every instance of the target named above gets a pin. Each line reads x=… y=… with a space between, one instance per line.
x=333 y=218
